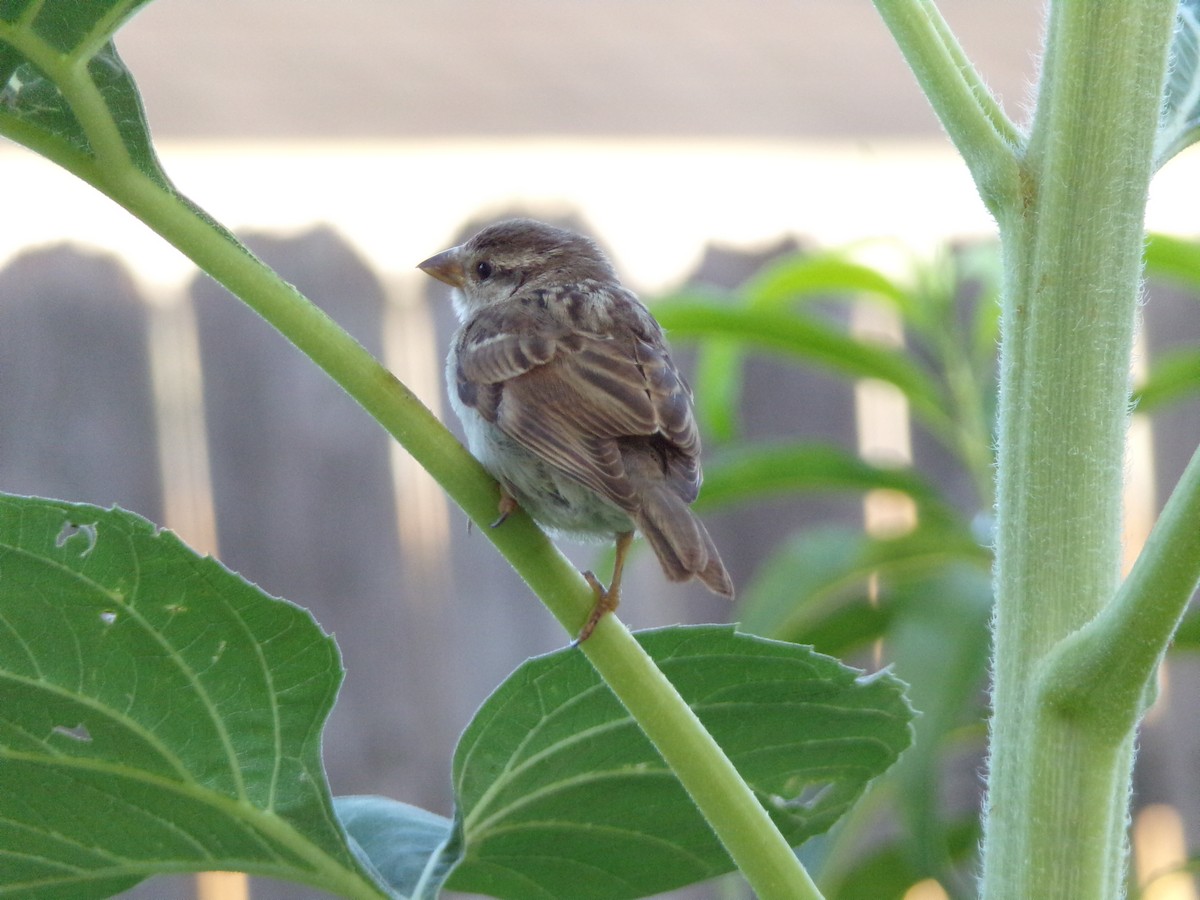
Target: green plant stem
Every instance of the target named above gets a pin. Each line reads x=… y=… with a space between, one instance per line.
x=735 y=814
x=1108 y=665
x=976 y=123
x=1059 y=784
x=755 y=844
x=1071 y=229
x=739 y=820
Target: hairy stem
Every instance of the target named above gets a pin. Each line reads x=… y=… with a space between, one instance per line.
x=1070 y=209
x=1059 y=785
x=1114 y=658
x=983 y=134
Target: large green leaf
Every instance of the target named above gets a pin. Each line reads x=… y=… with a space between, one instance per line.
x=560 y=795
x=66 y=94
x=157 y=714
x=64 y=90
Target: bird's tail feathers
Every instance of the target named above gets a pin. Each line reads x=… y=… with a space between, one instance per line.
x=681 y=542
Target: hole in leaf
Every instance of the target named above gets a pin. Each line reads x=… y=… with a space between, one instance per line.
x=77 y=733
x=72 y=532
x=108 y=617
x=809 y=798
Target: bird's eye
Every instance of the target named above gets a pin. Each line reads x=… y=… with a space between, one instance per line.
x=484 y=270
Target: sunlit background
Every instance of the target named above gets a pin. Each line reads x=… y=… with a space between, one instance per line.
x=350 y=141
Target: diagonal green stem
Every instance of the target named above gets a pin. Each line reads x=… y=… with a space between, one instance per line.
x=1108 y=665
x=976 y=123
x=739 y=820
x=737 y=817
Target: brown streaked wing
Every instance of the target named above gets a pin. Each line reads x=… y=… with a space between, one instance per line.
x=670 y=396
x=539 y=412
x=570 y=396
x=613 y=396
x=580 y=411
x=500 y=344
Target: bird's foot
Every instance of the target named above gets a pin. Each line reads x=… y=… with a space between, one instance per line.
x=506 y=507
x=607 y=600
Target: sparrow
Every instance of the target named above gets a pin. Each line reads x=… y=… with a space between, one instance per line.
x=568 y=396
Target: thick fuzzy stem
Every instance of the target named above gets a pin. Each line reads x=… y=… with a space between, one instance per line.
x=1059 y=783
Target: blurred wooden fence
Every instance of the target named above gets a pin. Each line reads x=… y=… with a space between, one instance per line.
x=184 y=407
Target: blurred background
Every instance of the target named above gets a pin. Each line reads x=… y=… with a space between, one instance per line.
x=698 y=141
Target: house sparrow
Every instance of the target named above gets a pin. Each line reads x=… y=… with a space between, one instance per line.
x=568 y=396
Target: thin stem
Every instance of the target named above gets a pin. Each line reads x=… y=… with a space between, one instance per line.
x=975 y=121
x=755 y=844
x=739 y=820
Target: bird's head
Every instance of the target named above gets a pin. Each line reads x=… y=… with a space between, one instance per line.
x=515 y=255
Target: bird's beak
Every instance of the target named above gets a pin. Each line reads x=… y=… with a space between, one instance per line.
x=446 y=267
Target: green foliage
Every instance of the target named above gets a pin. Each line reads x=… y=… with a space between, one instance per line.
x=560 y=794
x=169 y=714
x=158 y=713
x=210 y=726
x=51 y=53
x=923 y=597
x=161 y=715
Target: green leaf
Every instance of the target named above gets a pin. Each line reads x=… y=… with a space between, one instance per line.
x=783 y=283
x=65 y=92
x=1173 y=375
x=1179 y=126
x=939 y=643
x=402 y=843
x=814 y=589
x=157 y=714
x=718 y=381
x=796 y=278
x=805 y=338
x=740 y=473
x=1173 y=258
x=561 y=795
